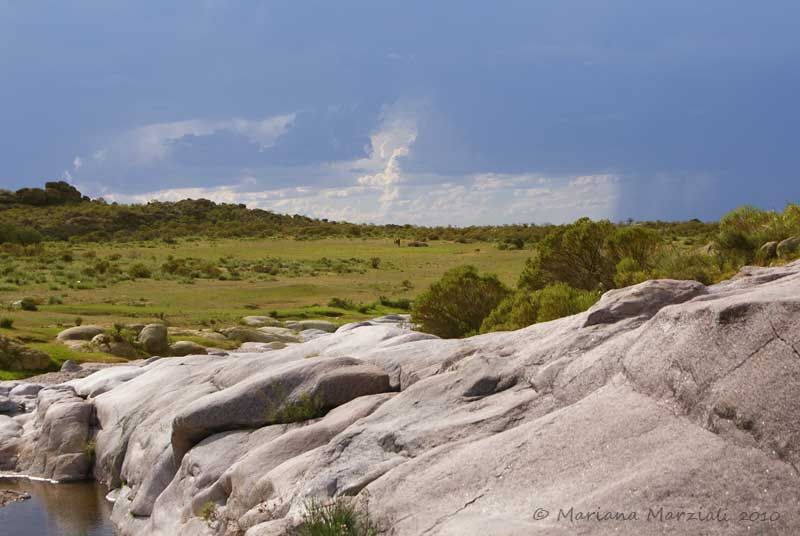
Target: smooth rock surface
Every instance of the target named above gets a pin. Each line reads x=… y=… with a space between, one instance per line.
x=665 y=395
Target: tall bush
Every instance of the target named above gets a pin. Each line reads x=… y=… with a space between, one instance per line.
x=456 y=305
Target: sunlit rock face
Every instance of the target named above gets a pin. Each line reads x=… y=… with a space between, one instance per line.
x=665 y=398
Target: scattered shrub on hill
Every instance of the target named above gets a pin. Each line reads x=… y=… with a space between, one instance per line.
x=456 y=305
x=6 y=323
x=140 y=271
x=23 y=236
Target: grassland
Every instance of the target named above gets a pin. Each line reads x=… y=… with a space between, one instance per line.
x=226 y=280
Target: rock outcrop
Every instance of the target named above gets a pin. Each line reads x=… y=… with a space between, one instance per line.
x=16 y=356
x=665 y=397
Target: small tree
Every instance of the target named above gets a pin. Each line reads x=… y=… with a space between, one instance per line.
x=456 y=305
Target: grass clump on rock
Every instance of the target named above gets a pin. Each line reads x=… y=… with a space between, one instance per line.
x=337 y=517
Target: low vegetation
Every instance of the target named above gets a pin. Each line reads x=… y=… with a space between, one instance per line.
x=67 y=259
x=574 y=264
x=340 y=516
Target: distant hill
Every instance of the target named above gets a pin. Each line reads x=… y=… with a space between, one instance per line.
x=60 y=212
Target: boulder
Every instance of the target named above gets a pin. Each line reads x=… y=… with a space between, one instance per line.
x=260 y=321
x=295 y=391
x=70 y=366
x=267 y=334
x=184 y=348
x=644 y=299
x=17 y=357
x=114 y=345
x=7 y=405
x=80 y=333
x=281 y=334
x=154 y=339
x=26 y=389
x=10 y=432
x=308 y=334
x=61 y=446
x=322 y=325
x=788 y=247
x=259 y=347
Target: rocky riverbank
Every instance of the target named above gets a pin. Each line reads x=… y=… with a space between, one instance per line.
x=9 y=496
x=667 y=397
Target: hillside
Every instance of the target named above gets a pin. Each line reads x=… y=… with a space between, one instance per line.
x=59 y=212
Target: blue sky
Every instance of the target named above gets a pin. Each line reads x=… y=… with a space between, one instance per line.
x=447 y=112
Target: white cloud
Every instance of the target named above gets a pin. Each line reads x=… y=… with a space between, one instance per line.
x=475 y=199
x=152 y=143
x=388 y=145
x=77 y=162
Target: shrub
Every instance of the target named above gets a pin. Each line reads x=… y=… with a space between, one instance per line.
x=404 y=304
x=577 y=254
x=28 y=304
x=78 y=321
x=337 y=517
x=305 y=408
x=524 y=308
x=6 y=323
x=629 y=272
x=456 y=305
x=692 y=266
x=139 y=271
x=743 y=230
x=343 y=303
x=208 y=511
x=375 y=262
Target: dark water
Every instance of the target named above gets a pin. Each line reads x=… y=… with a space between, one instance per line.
x=78 y=509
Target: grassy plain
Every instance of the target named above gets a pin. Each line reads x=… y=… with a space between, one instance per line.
x=72 y=288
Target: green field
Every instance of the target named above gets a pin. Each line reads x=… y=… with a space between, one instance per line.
x=67 y=290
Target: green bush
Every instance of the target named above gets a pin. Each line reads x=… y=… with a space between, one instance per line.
x=6 y=323
x=343 y=303
x=629 y=272
x=337 y=517
x=674 y=264
x=524 y=308
x=456 y=305
x=28 y=304
x=140 y=271
x=577 y=254
x=403 y=304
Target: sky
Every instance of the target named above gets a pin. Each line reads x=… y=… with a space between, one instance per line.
x=448 y=112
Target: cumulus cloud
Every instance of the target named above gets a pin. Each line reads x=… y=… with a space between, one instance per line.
x=388 y=145
x=464 y=201
x=77 y=162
